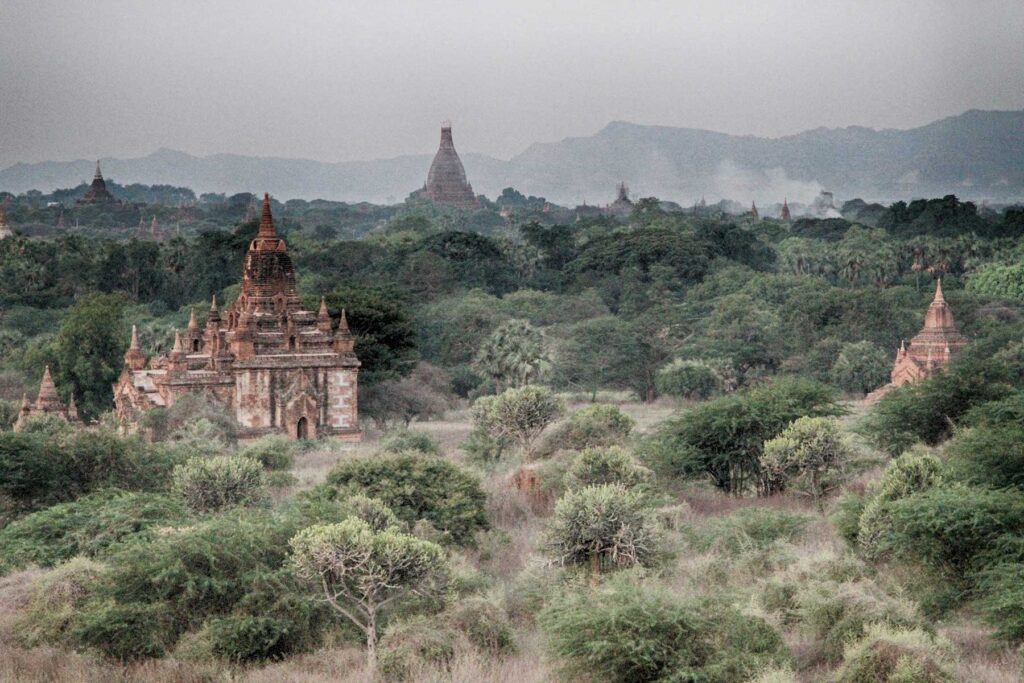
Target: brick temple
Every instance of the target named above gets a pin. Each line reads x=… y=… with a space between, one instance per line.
x=97 y=192
x=47 y=403
x=277 y=367
x=929 y=350
x=446 y=181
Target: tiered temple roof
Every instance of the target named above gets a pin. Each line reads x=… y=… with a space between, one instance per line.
x=47 y=403
x=446 y=180
x=97 y=193
x=929 y=350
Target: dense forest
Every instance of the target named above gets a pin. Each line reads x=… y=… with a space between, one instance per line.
x=603 y=447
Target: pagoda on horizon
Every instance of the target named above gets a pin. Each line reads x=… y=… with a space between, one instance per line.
x=446 y=180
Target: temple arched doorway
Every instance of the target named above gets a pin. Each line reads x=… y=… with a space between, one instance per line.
x=302 y=429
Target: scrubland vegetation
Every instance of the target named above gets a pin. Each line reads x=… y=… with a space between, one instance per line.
x=606 y=451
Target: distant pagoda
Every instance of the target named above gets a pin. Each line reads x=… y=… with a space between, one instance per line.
x=929 y=351
x=785 y=209
x=446 y=181
x=98 y=192
x=47 y=403
x=622 y=206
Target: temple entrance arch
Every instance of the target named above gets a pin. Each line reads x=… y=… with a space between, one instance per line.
x=302 y=429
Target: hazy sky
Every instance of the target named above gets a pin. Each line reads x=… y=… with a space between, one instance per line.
x=361 y=80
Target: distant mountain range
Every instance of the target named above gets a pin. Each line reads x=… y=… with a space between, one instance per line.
x=976 y=155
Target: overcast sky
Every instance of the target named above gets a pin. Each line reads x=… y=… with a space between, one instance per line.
x=363 y=80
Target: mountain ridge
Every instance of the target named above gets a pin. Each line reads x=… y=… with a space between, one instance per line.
x=977 y=154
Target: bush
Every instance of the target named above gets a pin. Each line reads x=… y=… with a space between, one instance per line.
x=911 y=473
x=604 y=526
x=221 y=481
x=407 y=440
x=375 y=513
x=414 y=643
x=597 y=426
x=56 y=600
x=519 y=415
x=273 y=452
x=811 y=452
x=951 y=528
x=628 y=633
x=124 y=631
x=723 y=438
x=248 y=638
x=484 y=624
x=991 y=456
x=846 y=516
x=1001 y=598
x=623 y=633
x=746 y=529
x=87 y=526
x=892 y=655
x=835 y=613
x=692 y=379
x=927 y=410
x=416 y=488
x=613 y=465
x=860 y=367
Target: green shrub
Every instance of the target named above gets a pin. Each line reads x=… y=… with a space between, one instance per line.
x=602 y=526
x=484 y=624
x=57 y=597
x=846 y=516
x=950 y=528
x=595 y=426
x=892 y=655
x=248 y=638
x=628 y=633
x=124 y=631
x=87 y=526
x=926 y=411
x=30 y=478
x=991 y=456
x=273 y=452
x=413 y=643
x=416 y=488
x=912 y=472
x=408 y=440
x=691 y=379
x=208 y=484
x=612 y=465
x=518 y=415
x=753 y=528
x=833 y=613
x=623 y=633
x=375 y=513
x=860 y=367
x=723 y=438
x=1001 y=598
x=812 y=453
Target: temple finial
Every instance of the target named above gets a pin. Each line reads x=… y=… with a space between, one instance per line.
x=343 y=323
x=213 y=304
x=938 y=290
x=193 y=324
x=267 y=220
x=134 y=345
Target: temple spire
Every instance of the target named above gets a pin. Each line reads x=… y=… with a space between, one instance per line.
x=98 y=175
x=938 y=291
x=267 y=230
x=193 y=324
x=323 y=317
x=134 y=345
x=343 y=323
x=47 y=389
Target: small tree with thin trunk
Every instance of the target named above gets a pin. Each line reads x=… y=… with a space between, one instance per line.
x=518 y=415
x=812 y=451
x=362 y=571
x=603 y=526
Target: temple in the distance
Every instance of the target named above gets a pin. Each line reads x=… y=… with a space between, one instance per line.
x=929 y=350
x=278 y=368
x=97 y=192
x=47 y=403
x=446 y=180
